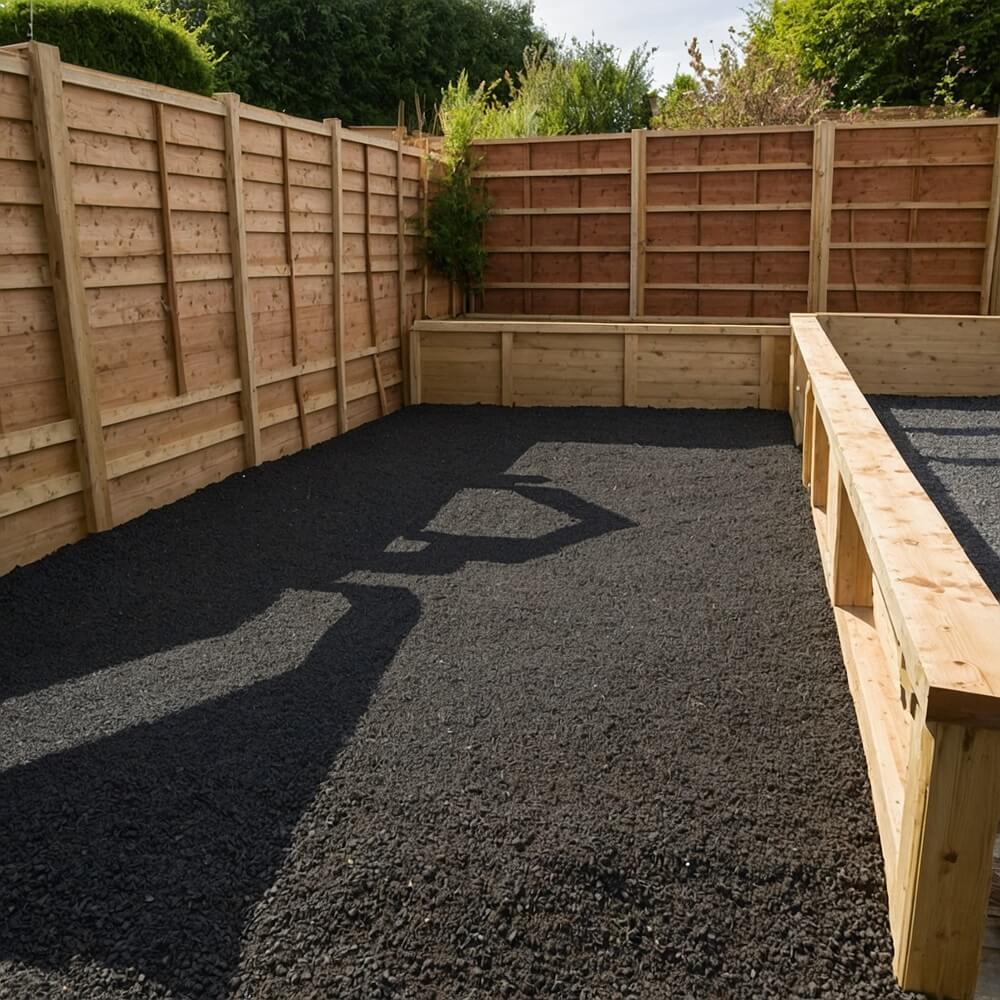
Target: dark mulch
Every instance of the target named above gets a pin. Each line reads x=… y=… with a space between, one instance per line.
x=952 y=444
x=471 y=703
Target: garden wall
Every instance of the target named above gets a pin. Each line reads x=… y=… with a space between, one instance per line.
x=188 y=286
x=745 y=223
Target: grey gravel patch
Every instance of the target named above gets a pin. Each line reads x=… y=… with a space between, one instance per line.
x=107 y=701
x=952 y=444
x=497 y=513
x=613 y=755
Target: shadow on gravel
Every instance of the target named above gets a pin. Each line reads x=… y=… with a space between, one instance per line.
x=978 y=548
x=147 y=849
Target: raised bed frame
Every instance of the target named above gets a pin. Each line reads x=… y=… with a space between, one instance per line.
x=920 y=633
x=530 y=362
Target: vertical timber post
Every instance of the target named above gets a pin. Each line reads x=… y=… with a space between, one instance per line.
x=56 y=182
x=989 y=298
x=938 y=899
x=241 y=284
x=404 y=333
x=337 y=211
x=821 y=216
x=637 y=218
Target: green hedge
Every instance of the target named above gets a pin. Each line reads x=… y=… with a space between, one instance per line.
x=116 y=36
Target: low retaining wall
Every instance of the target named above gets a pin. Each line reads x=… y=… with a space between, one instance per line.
x=543 y=363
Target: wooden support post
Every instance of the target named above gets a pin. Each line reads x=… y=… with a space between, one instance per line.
x=173 y=303
x=416 y=376
x=808 y=418
x=404 y=312
x=630 y=360
x=989 y=298
x=821 y=218
x=293 y=302
x=768 y=348
x=938 y=899
x=852 y=569
x=637 y=218
x=56 y=183
x=241 y=284
x=819 y=483
x=370 y=284
x=507 y=369
x=425 y=170
x=337 y=196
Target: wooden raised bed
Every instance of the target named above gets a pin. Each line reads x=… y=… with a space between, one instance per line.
x=599 y=363
x=920 y=630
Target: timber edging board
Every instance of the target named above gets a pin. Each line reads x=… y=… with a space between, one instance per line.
x=920 y=632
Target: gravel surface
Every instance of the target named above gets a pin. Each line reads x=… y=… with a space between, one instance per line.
x=471 y=703
x=952 y=444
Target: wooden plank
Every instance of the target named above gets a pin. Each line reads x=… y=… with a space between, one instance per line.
x=56 y=183
x=637 y=204
x=241 y=283
x=337 y=185
x=540 y=325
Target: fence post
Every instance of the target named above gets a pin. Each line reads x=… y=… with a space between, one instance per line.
x=989 y=299
x=404 y=333
x=821 y=215
x=241 y=284
x=637 y=213
x=56 y=182
x=337 y=211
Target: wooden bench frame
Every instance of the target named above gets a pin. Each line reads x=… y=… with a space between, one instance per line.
x=920 y=633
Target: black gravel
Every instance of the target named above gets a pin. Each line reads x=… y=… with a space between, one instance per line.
x=471 y=703
x=952 y=444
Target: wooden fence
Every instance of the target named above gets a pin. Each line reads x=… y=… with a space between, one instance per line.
x=552 y=363
x=920 y=633
x=749 y=224
x=188 y=286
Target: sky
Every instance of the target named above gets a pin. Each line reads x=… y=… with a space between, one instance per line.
x=666 y=24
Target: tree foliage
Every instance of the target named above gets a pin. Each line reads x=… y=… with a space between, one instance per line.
x=750 y=87
x=357 y=59
x=116 y=36
x=895 y=52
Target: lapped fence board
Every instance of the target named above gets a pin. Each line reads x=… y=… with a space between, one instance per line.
x=214 y=259
x=744 y=224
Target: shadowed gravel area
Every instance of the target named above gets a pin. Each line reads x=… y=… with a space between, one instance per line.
x=470 y=703
x=952 y=444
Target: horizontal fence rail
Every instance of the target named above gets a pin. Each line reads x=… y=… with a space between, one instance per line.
x=188 y=286
x=920 y=633
x=548 y=363
x=745 y=223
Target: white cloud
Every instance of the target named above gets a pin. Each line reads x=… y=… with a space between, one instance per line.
x=667 y=26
